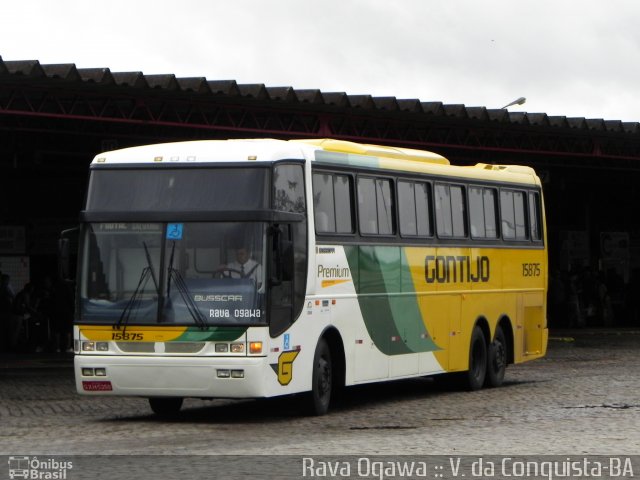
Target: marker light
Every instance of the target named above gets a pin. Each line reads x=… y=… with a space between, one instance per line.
x=237 y=347
x=255 y=347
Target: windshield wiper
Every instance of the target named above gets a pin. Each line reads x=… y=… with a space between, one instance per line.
x=181 y=285
x=147 y=272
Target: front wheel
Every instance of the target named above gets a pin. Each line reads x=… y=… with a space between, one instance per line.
x=497 y=360
x=477 y=360
x=322 y=380
x=165 y=406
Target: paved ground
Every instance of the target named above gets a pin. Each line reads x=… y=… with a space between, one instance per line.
x=583 y=398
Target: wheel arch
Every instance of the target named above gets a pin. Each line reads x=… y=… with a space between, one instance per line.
x=338 y=358
x=504 y=322
x=483 y=323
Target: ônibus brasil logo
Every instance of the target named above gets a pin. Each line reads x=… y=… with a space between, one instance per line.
x=34 y=468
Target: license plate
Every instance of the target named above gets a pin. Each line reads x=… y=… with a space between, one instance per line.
x=102 y=386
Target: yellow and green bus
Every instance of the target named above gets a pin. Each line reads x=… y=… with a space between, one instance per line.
x=258 y=268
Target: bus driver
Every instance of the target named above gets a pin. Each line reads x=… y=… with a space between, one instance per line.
x=242 y=267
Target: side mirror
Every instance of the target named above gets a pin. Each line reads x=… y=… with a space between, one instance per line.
x=68 y=254
x=282 y=255
x=275 y=277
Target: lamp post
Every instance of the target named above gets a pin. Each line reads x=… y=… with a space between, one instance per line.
x=518 y=101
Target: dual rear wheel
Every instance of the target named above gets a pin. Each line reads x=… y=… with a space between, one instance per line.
x=487 y=364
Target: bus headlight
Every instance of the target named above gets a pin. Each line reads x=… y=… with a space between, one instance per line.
x=237 y=347
x=102 y=346
x=88 y=346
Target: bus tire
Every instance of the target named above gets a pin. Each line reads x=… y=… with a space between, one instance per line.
x=497 y=359
x=321 y=380
x=165 y=406
x=477 y=360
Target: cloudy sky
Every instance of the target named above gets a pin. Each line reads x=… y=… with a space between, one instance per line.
x=567 y=57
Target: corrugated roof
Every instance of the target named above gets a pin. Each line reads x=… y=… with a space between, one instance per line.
x=32 y=70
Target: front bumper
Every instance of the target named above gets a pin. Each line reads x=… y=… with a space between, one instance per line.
x=157 y=376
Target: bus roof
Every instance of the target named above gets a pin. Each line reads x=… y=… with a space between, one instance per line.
x=205 y=151
x=336 y=152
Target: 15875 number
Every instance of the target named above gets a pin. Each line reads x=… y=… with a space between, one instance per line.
x=127 y=337
x=531 y=270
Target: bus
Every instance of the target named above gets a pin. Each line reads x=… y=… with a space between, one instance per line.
x=261 y=267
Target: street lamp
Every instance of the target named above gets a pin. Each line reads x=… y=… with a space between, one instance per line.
x=518 y=101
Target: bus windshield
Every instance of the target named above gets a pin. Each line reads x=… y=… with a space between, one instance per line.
x=200 y=273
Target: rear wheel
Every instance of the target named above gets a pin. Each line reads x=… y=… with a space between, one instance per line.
x=322 y=380
x=477 y=360
x=497 y=359
x=165 y=406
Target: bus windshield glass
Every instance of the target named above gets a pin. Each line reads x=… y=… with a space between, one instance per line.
x=200 y=273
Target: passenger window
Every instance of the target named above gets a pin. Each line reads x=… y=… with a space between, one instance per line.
x=534 y=216
x=324 y=203
x=414 y=205
x=521 y=219
x=490 y=212
x=482 y=212
x=332 y=203
x=375 y=206
x=443 y=211
x=458 y=211
x=450 y=211
x=367 y=206
x=407 y=208
x=476 y=212
x=384 y=206
x=512 y=210
x=342 y=195
x=423 y=209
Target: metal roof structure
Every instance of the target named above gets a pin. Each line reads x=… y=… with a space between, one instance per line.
x=55 y=118
x=92 y=97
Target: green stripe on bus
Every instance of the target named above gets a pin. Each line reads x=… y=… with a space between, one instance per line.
x=392 y=318
x=212 y=334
